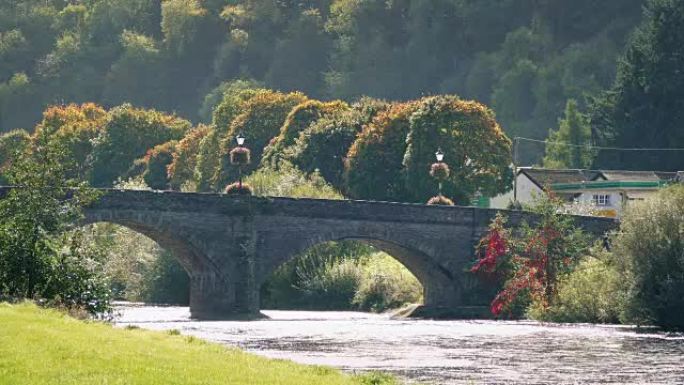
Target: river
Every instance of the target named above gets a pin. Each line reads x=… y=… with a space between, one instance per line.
x=441 y=352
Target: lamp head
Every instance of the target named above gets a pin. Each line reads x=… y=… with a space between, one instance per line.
x=240 y=139
x=439 y=155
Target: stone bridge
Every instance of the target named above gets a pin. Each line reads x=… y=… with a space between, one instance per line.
x=230 y=245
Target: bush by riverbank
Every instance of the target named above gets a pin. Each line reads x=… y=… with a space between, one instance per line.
x=39 y=346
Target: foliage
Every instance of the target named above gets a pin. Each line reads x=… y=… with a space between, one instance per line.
x=323 y=146
x=646 y=103
x=207 y=161
x=290 y=182
x=298 y=120
x=385 y=284
x=440 y=200
x=182 y=168
x=12 y=145
x=390 y=158
x=157 y=162
x=233 y=96
x=592 y=292
x=648 y=249
x=74 y=128
x=263 y=115
x=127 y=135
x=530 y=260
x=569 y=147
x=42 y=256
x=33 y=355
x=238 y=188
x=166 y=281
x=526 y=58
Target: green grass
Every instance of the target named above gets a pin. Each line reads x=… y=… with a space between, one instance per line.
x=41 y=346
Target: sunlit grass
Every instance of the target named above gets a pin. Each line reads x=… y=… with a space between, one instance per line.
x=39 y=346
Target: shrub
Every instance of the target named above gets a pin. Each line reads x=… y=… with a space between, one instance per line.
x=650 y=248
x=207 y=161
x=386 y=284
x=165 y=281
x=528 y=261
x=593 y=292
x=238 y=189
x=290 y=182
x=440 y=200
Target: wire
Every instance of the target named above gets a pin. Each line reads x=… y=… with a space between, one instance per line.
x=597 y=147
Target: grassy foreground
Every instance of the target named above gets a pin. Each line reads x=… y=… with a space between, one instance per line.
x=39 y=346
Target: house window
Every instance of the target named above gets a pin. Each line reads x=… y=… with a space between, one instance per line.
x=601 y=199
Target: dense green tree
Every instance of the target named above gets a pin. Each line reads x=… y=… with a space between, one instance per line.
x=157 y=162
x=12 y=145
x=570 y=145
x=41 y=256
x=645 y=106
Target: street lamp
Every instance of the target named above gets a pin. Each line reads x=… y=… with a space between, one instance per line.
x=439 y=155
x=440 y=171
x=240 y=139
x=240 y=156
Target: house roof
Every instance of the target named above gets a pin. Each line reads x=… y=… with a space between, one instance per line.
x=545 y=177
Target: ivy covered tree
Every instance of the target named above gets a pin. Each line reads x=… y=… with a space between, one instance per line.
x=260 y=120
x=128 y=134
x=391 y=157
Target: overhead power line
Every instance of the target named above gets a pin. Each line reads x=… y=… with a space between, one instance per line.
x=517 y=138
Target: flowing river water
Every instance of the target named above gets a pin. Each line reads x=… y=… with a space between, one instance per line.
x=441 y=352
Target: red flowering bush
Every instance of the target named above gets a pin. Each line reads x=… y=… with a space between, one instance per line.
x=240 y=156
x=238 y=189
x=440 y=200
x=439 y=171
x=529 y=261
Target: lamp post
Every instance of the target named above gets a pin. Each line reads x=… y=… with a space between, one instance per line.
x=239 y=156
x=440 y=171
x=439 y=155
x=240 y=139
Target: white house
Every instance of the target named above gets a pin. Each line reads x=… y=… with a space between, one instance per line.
x=608 y=191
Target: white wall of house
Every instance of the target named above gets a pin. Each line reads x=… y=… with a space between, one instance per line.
x=606 y=201
x=527 y=190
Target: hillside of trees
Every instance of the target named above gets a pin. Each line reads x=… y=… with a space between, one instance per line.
x=525 y=58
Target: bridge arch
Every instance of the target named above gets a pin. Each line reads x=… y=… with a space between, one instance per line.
x=440 y=286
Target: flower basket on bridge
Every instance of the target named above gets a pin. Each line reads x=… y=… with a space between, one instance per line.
x=440 y=200
x=240 y=156
x=440 y=171
x=238 y=188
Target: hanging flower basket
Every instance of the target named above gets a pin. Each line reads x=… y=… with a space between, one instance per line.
x=237 y=189
x=240 y=156
x=440 y=200
x=440 y=171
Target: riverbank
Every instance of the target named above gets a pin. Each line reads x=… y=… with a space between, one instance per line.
x=42 y=346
